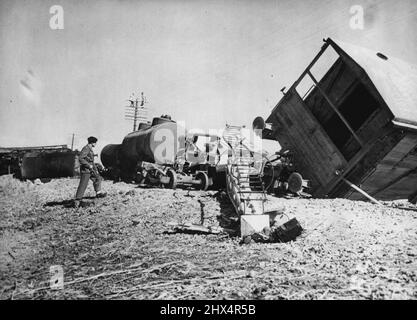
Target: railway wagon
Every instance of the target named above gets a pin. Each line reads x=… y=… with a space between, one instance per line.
x=352 y=117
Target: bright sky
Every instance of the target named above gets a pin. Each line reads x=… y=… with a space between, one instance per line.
x=207 y=63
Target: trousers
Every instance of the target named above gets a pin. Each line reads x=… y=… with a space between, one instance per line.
x=82 y=186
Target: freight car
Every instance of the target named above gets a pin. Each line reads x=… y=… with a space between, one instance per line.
x=38 y=162
x=150 y=156
x=351 y=119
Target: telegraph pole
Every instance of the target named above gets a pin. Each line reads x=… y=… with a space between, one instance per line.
x=137 y=112
x=136 y=115
x=72 y=142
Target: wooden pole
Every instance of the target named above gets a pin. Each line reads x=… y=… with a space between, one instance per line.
x=361 y=191
x=72 y=142
x=136 y=115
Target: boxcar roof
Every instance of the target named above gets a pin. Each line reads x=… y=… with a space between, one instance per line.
x=395 y=80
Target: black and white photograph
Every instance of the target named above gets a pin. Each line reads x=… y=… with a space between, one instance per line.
x=209 y=151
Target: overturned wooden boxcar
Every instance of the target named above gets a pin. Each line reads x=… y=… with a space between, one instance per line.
x=38 y=162
x=353 y=120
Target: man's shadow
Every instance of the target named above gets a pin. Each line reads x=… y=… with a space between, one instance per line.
x=69 y=202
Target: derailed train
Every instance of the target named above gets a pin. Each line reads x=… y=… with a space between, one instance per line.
x=162 y=153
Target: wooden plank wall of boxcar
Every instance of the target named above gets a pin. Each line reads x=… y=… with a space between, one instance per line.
x=316 y=157
x=395 y=176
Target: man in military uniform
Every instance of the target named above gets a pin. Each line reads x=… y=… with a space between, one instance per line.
x=88 y=170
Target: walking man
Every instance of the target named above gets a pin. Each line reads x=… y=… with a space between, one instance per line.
x=88 y=170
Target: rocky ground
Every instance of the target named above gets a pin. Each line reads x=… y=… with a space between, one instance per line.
x=118 y=248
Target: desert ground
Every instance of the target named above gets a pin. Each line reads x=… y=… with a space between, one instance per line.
x=120 y=247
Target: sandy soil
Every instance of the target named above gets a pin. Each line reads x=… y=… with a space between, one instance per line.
x=117 y=247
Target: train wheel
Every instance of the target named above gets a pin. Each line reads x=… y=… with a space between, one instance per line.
x=295 y=182
x=172 y=179
x=204 y=180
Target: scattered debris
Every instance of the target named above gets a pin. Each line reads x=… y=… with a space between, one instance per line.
x=194 y=229
x=286 y=232
x=201 y=211
x=289 y=231
x=130 y=193
x=117 y=250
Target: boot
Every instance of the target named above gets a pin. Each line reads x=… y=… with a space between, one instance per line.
x=101 y=194
x=76 y=204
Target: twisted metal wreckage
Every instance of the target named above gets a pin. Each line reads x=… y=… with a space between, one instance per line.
x=228 y=161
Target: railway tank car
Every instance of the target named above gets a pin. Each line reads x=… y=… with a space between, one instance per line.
x=152 y=147
x=156 y=144
x=110 y=155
